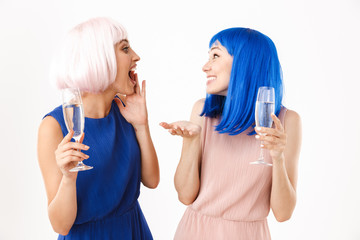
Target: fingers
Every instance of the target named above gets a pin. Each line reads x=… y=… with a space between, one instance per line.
x=178 y=131
x=189 y=133
x=277 y=122
x=277 y=131
x=82 y=137
x=181 y=131
x=68 y=159
x=169 y=125
x=67 y=155
x=73 y=145
x=182 y=128
x=276 y=147
x=73 y=154
x=174 y=129
x=66 y=145
x=268 y=131
x=137 y=86
x=271 y=139
x=67 y=138
x=62 y=162
x=143 y=91
x=165 y=125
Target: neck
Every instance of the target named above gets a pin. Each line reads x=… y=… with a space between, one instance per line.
x=97 y=105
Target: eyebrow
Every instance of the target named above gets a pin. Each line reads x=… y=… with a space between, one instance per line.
x=215 y=47
x=124 y=40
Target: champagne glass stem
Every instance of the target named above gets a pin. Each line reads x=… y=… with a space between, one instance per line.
x=261 y=151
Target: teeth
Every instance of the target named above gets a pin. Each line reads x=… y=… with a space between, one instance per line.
x=211 y=78
x=133 y=69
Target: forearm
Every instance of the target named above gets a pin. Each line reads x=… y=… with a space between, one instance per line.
x=283 y=194
x=150 y=173
x=187 y=176
x=63 y=208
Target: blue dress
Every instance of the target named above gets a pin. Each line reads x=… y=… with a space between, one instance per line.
x=107 y=206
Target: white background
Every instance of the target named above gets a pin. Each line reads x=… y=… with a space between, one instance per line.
x=318 y=46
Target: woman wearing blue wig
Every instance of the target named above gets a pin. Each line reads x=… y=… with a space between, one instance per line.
x=228 y=197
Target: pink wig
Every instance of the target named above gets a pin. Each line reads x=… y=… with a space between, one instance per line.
x=87 y=58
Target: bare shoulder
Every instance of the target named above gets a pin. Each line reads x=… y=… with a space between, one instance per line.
x=49 y=137
x=196 y=111
x=198 y=106
x=49 y=127
x=292 y=119
x=293 y=128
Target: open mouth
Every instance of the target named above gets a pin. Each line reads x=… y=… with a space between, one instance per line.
x=132 y=75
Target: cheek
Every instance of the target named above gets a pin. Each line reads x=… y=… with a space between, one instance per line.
x=229 y=67
x=226 y=72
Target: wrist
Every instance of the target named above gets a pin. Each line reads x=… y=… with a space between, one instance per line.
x=279 y=159
x=69 y=180
x=188 y=141
x=141 y=128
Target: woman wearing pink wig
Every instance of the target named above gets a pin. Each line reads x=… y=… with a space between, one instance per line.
x=100 y=203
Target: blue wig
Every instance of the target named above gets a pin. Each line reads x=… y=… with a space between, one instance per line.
x=255 y=64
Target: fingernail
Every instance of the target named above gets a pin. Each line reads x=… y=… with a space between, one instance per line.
x=86 y=156
x=86 y=147
x=258 y=128
x=257 y=136
x=261 y=145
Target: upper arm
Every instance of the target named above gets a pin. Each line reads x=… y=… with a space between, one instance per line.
x=49 y=137
x=292 y=126
x=196 y=111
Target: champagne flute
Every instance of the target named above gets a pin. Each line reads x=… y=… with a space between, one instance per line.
x=74 y=119
x=265 y=106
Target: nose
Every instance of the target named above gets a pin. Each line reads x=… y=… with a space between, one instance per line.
x=135 y=57
x=206 y=67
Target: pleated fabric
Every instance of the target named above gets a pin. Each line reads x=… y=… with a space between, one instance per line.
x=234 y=196
x=107 y=206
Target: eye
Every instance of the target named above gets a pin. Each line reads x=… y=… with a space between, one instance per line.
x=125 y=49
x=214 y=56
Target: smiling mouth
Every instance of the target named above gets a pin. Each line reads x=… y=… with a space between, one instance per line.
x=210 y=80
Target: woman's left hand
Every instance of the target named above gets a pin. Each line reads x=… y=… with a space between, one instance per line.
x=135 y=111
x=273 y=139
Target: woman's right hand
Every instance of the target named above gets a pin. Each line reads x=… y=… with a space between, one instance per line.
x=67 y=156
x=185 y=129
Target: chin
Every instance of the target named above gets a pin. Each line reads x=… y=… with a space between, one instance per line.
x=216 y=92
x=212 y=92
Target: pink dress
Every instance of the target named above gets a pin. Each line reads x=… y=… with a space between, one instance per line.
x=234 y=196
